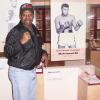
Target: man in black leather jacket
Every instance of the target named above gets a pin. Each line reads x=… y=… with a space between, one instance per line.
x=23 y=48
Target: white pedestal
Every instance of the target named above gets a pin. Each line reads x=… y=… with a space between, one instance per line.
x=61 y=83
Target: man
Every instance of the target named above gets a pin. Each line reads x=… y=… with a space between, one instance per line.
x=65 y=24
x=23 y=48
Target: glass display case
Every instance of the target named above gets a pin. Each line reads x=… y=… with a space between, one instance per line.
x=43 y=22
x=95 y=20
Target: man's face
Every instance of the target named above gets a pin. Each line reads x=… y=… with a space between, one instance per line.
x=65 y=11
x=27 y=18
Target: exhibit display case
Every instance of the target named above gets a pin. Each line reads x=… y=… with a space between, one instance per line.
x=89 y=88
x=43 y=22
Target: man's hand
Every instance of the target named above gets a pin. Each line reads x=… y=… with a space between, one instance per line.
x=25 y=38
x=44 y=59
x=80 y=23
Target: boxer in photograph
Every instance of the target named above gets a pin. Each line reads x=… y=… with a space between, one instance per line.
x=65 y=24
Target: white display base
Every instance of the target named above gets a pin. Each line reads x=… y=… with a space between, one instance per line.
x=61 y=83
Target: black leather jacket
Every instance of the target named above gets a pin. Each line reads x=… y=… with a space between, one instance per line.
x=25 y=56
